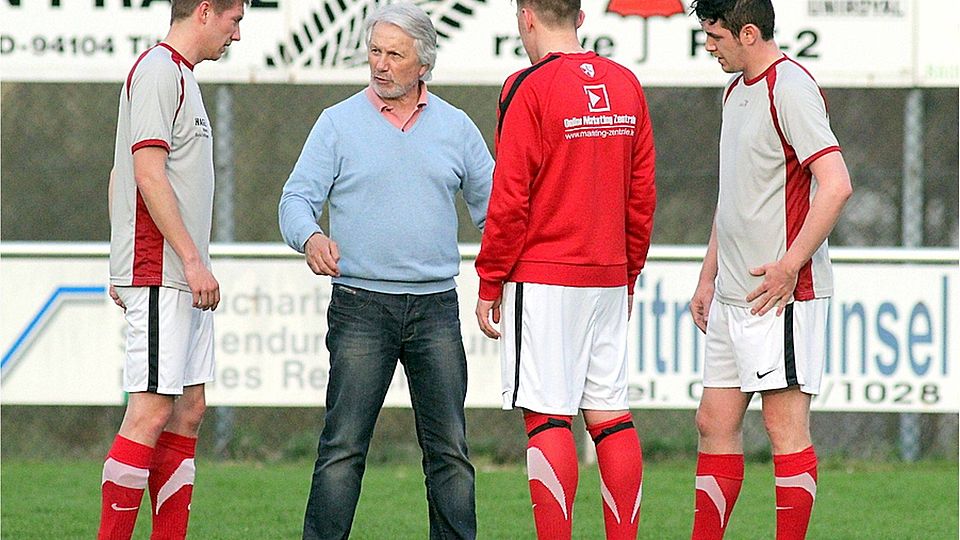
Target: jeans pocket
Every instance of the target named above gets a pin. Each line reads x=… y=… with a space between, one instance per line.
x=447 y=299
x=349 y=298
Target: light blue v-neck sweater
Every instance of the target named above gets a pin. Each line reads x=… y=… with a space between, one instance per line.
x=391 y=193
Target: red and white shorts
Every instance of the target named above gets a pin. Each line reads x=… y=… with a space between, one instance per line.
x=758 y=353
x=563 y=349
x=169 y=342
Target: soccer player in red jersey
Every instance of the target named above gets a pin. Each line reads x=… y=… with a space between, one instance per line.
x=567 y=233
x=765 y=283
x=161 y=204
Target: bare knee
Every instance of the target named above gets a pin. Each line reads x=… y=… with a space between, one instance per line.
x=145 y=417
x=187 y=415
x=717 y=426
x=786 y=417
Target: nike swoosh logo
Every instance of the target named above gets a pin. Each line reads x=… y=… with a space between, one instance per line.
x=759 y=376
x=116 y=508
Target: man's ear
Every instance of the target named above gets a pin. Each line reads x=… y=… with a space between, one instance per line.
x=750 y=34
x=580 y=17
x=528 y=17
x=203 y=12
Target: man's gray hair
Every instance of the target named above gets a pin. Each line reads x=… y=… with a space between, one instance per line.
x=416 y=23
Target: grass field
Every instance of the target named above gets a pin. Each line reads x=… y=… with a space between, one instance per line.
x=253 y=501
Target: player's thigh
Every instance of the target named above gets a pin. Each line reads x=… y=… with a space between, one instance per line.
x=786 y=417
x=720 y=369
x=160 y=327
x=544 y=347
x=605 y=384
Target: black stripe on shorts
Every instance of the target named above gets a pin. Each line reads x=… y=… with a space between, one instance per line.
x=153 y=340
x=518 y=339
x=789 y=358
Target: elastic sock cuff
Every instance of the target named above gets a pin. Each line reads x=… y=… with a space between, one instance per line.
x=130 y=452
x=179 y=443
x=796 y=463
x=720 y=465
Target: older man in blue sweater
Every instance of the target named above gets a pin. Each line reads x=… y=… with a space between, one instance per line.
x=389 y=161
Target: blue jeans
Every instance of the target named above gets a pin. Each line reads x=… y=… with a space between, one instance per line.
x=368 y=333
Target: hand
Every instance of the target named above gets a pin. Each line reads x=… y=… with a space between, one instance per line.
x=700 y=304
x=322 y=255
x=629 y=306
x=776 y=289
x=112 y=291
x=205 y=288
x=484 y=307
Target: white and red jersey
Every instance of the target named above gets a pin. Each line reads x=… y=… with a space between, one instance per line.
x=160 y=105
x=774 y=126
x=573 y=188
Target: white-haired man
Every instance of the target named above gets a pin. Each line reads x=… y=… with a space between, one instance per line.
x=390 y=160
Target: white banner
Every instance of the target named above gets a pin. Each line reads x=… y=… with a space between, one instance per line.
x=893 y=339
x=852 y=43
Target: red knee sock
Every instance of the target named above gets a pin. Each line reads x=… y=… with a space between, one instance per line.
x=125 y=472
x=719 y=477
x=171 y=484
x=796 y=476
x=621 y=475
x=553 y=474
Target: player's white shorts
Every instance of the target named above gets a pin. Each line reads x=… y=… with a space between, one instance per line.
x=758 y=353
x=169 y=342
x=563 y=349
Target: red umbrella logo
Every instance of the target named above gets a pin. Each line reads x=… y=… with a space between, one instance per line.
x=645 y=8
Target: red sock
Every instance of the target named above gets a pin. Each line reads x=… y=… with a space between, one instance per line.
x=796 y=490
x=719 y=477
x=125 y=473
x=621 y=475
x=553 y=474
x=171 y=484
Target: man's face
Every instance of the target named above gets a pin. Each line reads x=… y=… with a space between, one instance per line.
x=722 y=44
x=395 y=69
x=222 y=29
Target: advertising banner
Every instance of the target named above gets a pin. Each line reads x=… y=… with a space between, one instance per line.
x=893 y=343
x=850 y=43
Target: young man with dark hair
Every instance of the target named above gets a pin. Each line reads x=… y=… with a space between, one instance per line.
x=568 y=229
x=766 y=280
x=161 y=203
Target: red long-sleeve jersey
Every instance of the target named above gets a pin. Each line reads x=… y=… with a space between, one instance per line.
x=573 y=188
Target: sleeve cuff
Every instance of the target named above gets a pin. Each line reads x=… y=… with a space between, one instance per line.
x=490 y=290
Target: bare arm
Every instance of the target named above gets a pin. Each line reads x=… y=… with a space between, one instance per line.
x=112 y=291
x=780 y=277
x=149 y=170
x=703 y=296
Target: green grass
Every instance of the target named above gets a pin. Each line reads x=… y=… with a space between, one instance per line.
x=254 y=501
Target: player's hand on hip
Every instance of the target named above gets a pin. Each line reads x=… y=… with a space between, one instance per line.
x=205 y=288
x=700 y=304
x=776 y=289
x=322 y=255
x=487 y=309
x=112 y=291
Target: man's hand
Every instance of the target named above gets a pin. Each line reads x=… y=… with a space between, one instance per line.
x=322 y=255
x=116 y=297
x=700 y=304
x=776 y=289
x=629 y=306
x=484 y=307
x=205 y=289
